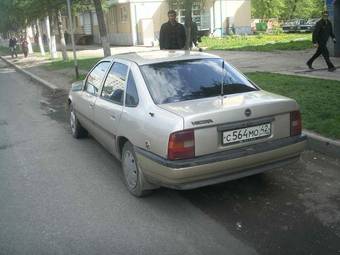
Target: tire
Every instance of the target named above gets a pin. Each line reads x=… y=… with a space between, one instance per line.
x=133 y=176
x=76 y=128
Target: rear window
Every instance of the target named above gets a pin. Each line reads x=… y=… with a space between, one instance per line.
x=193 y=79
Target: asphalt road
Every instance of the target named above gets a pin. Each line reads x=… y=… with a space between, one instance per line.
x=59 y=195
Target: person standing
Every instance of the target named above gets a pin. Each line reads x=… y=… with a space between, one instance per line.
x=323 y=30
x=24 y=46
x=172 y=34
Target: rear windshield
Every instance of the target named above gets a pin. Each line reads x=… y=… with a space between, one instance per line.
x=193 y=79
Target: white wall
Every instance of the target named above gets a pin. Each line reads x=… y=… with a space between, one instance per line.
x=238 y=12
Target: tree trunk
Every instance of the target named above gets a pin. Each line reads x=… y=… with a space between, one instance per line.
x=188 y=24
x=102 y=28
x=61 y=36
x=40 y=42
x=48 y=31
x=30 y=48
x=53 y=45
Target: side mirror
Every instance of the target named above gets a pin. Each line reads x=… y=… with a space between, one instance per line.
x=77 y=86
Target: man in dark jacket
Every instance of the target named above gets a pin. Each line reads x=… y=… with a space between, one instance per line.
x=13 y=46
x=323 y=30
x=172 y=34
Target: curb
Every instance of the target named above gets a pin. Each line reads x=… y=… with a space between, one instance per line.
x=315 y=142
x=32 y=76
x=307 y=75
x=322 y=144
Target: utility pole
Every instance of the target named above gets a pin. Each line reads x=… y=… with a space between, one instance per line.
x=72 y=39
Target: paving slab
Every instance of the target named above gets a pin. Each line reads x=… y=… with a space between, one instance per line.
x=287 y=62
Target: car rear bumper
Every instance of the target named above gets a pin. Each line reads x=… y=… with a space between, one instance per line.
x=222 y=166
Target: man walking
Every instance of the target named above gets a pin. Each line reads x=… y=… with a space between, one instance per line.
x=323 y=30
x=13 y=46
x=172 y=34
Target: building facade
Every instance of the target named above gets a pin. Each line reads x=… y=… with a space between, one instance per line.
x=138 y=22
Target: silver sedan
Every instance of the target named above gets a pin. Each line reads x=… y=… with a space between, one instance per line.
x=183 y=120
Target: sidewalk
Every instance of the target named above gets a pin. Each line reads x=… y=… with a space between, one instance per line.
x=285 y=62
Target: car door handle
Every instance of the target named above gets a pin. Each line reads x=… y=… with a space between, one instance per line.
x=112 y=117
x=91 y=105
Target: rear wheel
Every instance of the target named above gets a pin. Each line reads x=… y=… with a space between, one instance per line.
x=133 y=176
x=77 y=130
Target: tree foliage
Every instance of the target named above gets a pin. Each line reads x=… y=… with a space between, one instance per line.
x=286 y=9
x=16 y=14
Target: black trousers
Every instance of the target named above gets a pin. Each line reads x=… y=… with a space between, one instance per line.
x=322 y=50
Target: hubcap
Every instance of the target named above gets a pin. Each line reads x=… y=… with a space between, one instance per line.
x=73 y=121
x=130 y=170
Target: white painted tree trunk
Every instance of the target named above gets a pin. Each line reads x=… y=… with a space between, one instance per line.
x=106 y=46
x=30 y=48
x=54 y=54
x=53 y=40
x=40 y=42
x=48 y=31
x=61 y=36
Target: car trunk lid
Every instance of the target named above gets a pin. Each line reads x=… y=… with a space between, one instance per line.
x=211 y=116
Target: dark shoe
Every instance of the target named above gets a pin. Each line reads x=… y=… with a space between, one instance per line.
x=309 y=66
x=331 y=69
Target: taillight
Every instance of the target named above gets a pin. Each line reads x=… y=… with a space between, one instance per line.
x=295 y=123
x=181 y=145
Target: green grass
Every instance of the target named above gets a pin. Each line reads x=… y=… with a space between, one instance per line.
x=319 y=99
x=84 y=63
x=263 y=42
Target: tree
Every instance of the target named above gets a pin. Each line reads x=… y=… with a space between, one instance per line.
x=17 y=15
x=40 y=42
x=188 y=23
x=302 y=9
x=286 y=9
x=61 y=35
x=102 y=27
x=265 y=9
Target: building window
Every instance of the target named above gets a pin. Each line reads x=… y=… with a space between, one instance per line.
x=123 y=14
x=199 y=15
x=94 y=19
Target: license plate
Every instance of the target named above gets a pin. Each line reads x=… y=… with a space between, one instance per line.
x=247 y=134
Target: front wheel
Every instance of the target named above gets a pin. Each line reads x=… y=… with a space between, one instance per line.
x=133 y=176
x=77 y=130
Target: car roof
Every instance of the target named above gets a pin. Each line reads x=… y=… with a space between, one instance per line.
x=159 y=56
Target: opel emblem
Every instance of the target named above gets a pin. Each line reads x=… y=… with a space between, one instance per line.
x=247 y=112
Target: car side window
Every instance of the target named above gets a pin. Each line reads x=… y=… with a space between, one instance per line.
x=95 y=78
x=132 y=99
x=114 y=85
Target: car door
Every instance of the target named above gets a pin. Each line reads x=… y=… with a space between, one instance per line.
x=109 y=105
x=86 y=102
